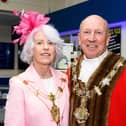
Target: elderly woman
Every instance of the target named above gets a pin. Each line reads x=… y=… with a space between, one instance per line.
x=39 y=96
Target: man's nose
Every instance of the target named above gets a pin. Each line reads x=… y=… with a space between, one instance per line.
x=92 y=37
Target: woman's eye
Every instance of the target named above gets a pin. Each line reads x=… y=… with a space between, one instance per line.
x=39 y=43
x=50 y=43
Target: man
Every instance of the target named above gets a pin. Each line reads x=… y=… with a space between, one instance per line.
x=98 y=79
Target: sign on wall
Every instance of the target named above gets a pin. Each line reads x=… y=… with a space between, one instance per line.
x=115 y=40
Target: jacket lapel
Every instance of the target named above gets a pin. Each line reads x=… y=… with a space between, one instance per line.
x=35 y=81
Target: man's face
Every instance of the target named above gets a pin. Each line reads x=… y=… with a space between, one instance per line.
x=93 y=36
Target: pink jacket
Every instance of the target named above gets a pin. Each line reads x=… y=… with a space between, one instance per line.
x=23 y=108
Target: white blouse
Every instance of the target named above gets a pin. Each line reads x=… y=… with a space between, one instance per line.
x=48 y=85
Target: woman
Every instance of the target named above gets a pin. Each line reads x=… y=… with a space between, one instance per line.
x=39 y=96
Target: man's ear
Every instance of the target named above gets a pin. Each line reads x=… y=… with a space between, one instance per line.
x=79 y=38
x=108 y=39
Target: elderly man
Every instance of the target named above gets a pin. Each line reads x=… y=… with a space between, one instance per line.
x=98 y=79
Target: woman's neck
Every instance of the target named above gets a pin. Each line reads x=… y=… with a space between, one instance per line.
x=43 y=70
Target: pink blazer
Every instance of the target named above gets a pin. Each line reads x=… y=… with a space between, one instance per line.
x=23 y=108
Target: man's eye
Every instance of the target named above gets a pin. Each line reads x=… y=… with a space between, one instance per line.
x=86 y=32
x=99 y=32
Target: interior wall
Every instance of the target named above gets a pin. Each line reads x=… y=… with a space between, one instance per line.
x=70 y=18
x=5 y=34
x=35 y=5
x=45 y=6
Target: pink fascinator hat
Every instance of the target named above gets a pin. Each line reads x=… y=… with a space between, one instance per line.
x=28 y=21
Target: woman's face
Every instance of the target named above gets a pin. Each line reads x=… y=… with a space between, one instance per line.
x=44 y=51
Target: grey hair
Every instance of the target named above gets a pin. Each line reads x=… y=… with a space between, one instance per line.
x=52 y=35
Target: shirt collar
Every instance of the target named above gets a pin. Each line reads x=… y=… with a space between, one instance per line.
x=97 y=59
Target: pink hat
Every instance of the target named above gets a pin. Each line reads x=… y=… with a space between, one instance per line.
x=28 y=21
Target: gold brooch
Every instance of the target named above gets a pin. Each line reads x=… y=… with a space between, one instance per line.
x=81 y=114
x=37 y=92
x=60 y=89
x=55 y=112
x=25 y=82
x=63 y=79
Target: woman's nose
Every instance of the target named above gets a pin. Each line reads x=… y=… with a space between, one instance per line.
x=45 y=45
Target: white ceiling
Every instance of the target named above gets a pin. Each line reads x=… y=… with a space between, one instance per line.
x=45 y=6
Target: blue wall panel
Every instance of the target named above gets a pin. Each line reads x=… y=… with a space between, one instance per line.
x=70 y=18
